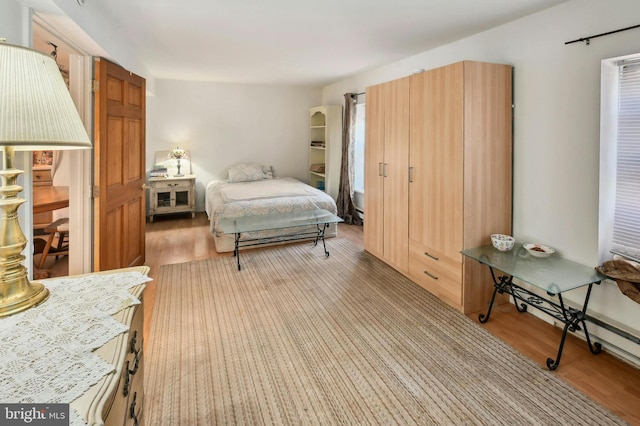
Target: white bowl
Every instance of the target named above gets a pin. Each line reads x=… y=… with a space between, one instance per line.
x=502 y=242
x=539 y=250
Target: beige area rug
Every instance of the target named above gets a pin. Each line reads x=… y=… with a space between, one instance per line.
x=299 y=339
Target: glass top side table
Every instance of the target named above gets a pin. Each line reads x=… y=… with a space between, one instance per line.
x=554 y=275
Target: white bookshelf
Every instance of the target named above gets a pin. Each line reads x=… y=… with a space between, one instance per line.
x=325 y=147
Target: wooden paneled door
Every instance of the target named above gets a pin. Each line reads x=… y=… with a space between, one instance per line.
x=119 y=167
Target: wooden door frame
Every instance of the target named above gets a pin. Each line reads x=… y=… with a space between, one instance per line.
x=80 y=176
x=81 y=254
x=80 y=164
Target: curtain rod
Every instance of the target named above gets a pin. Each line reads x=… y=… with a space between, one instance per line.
x=587 y=40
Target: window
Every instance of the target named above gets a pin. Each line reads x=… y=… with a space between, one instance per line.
x=358 y=150
x=626 y=223
x=620 y=158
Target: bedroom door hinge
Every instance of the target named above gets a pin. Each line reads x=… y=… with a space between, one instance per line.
x=95 y=192
x=95 y=86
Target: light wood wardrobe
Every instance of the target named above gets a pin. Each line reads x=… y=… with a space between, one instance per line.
x=438 y=175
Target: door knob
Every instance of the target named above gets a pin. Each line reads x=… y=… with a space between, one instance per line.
x=145 y=187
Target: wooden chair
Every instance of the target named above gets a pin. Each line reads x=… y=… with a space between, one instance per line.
x=61 y=228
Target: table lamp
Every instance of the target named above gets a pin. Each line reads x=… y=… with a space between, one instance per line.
x=36 y=113
x=178 y=154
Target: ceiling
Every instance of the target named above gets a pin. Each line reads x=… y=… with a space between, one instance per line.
x=305 y=42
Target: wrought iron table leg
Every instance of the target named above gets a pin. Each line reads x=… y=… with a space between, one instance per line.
x=553 y=364
x=573 y=321
x=594 y=347
x=500 y=285
x=320 y=236
x=236 y=250
x=484 y=318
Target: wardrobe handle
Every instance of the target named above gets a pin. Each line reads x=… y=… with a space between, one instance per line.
x=127 y=380
x=410 y=174
x=384 y=168
x=132 y=343
x=431 y=256
x=132 y=410
x=379 y=169
x=431 y=275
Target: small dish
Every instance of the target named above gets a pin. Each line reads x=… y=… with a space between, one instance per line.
x=539 y=250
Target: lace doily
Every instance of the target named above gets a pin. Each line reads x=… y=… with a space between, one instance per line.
x=47 y=355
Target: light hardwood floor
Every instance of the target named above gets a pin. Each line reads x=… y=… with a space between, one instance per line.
x=606 y=379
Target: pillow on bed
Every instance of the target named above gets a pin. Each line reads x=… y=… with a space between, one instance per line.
x=249 y=173
x=268 y=171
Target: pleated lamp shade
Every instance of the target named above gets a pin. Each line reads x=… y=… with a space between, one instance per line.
x=36 y=109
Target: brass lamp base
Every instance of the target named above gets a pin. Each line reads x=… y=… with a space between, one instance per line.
x=31 y=295
x=16 y=292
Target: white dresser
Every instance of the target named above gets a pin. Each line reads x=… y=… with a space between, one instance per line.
x=83 y=346
x=118 y=398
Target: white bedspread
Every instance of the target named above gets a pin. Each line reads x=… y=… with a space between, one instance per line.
x=268 y=188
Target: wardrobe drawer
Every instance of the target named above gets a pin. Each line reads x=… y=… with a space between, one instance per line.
x=441 y=286
x=434 y=262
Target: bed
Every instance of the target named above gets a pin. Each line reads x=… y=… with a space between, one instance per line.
x=252 y=193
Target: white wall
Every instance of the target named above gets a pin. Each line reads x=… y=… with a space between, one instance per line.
x=223 y=124
x=11 y=27
x=556 y=133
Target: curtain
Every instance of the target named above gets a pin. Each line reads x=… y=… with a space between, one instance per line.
x=346 y=206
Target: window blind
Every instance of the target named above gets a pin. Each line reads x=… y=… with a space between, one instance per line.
x=626 y=227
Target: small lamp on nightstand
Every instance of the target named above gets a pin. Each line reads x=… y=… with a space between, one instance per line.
x=178 y=154
x=36 y=113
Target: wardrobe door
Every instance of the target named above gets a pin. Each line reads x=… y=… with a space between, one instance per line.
x=386 y=224
x=373 y=171
x=396 y=175
x=436 y=161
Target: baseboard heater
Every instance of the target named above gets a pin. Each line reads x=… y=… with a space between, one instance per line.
x=614 y=329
